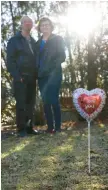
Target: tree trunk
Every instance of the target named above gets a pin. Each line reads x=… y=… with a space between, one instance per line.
x=71 y=68
x=13 y=21
x=68 y=46
x=92 y=68
x=38 y=13
x=80 y=64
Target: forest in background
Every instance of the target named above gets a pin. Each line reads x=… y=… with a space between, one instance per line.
x=86 y=64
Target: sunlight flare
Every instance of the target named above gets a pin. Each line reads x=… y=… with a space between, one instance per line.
x=81 y=20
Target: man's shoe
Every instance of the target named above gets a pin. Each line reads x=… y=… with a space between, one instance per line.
x=32 y=131
x=22 y=133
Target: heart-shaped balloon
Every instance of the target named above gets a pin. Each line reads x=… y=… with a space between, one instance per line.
x=89 y=103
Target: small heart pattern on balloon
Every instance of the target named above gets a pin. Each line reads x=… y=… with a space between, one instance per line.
x=89 y=103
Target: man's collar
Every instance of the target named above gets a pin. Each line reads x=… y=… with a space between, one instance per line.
x=19 y=34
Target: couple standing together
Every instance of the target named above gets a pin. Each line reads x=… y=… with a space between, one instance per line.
x=28 y=61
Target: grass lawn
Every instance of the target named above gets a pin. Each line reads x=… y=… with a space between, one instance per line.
x=56 y=162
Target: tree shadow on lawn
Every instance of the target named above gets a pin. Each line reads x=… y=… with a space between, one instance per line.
x=57 y=162
x=19 y=159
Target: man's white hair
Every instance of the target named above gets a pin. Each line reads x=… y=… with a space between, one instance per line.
x=24 y=18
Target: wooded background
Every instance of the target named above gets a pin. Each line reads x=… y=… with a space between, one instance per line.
x=87 y=58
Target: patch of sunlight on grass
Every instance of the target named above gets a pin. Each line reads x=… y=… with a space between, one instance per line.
x=49 y=160
x=101 y=125
x=16 y=149
x=98 y=186
x=79 y=164
x=5 y=155
x=29 y=186
x=47 y=171
x=62 y=148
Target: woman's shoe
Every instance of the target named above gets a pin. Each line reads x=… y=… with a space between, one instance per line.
x=52 y=131
x=58 y=130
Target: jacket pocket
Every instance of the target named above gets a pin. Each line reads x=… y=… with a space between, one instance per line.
x=22 y=60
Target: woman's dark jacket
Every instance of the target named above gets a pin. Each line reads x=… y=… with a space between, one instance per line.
x=20 y=59
x=51 y=57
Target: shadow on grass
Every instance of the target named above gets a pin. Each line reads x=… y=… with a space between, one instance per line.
x=57 y=162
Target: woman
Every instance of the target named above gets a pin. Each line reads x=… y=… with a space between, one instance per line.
x=50 y=54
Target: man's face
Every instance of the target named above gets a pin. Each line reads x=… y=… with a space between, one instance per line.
x=27 y=24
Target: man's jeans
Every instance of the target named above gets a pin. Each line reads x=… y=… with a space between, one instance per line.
x=24 y=93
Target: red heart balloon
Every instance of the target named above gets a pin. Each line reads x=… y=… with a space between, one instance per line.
x=89 y=103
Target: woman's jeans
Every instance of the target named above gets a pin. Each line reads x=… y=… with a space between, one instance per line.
x=49 y=87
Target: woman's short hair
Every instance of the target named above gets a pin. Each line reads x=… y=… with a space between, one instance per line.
x=44 y=19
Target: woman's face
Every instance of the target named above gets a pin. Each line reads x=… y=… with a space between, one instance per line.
x=45 y=27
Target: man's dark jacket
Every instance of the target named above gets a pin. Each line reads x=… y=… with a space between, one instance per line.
x=51 y=57
x=20 y=59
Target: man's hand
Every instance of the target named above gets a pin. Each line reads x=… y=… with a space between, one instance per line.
x=21 y=80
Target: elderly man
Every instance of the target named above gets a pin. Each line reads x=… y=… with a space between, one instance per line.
x=21 y=66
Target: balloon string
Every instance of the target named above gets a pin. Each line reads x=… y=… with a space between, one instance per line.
x=89 y=146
